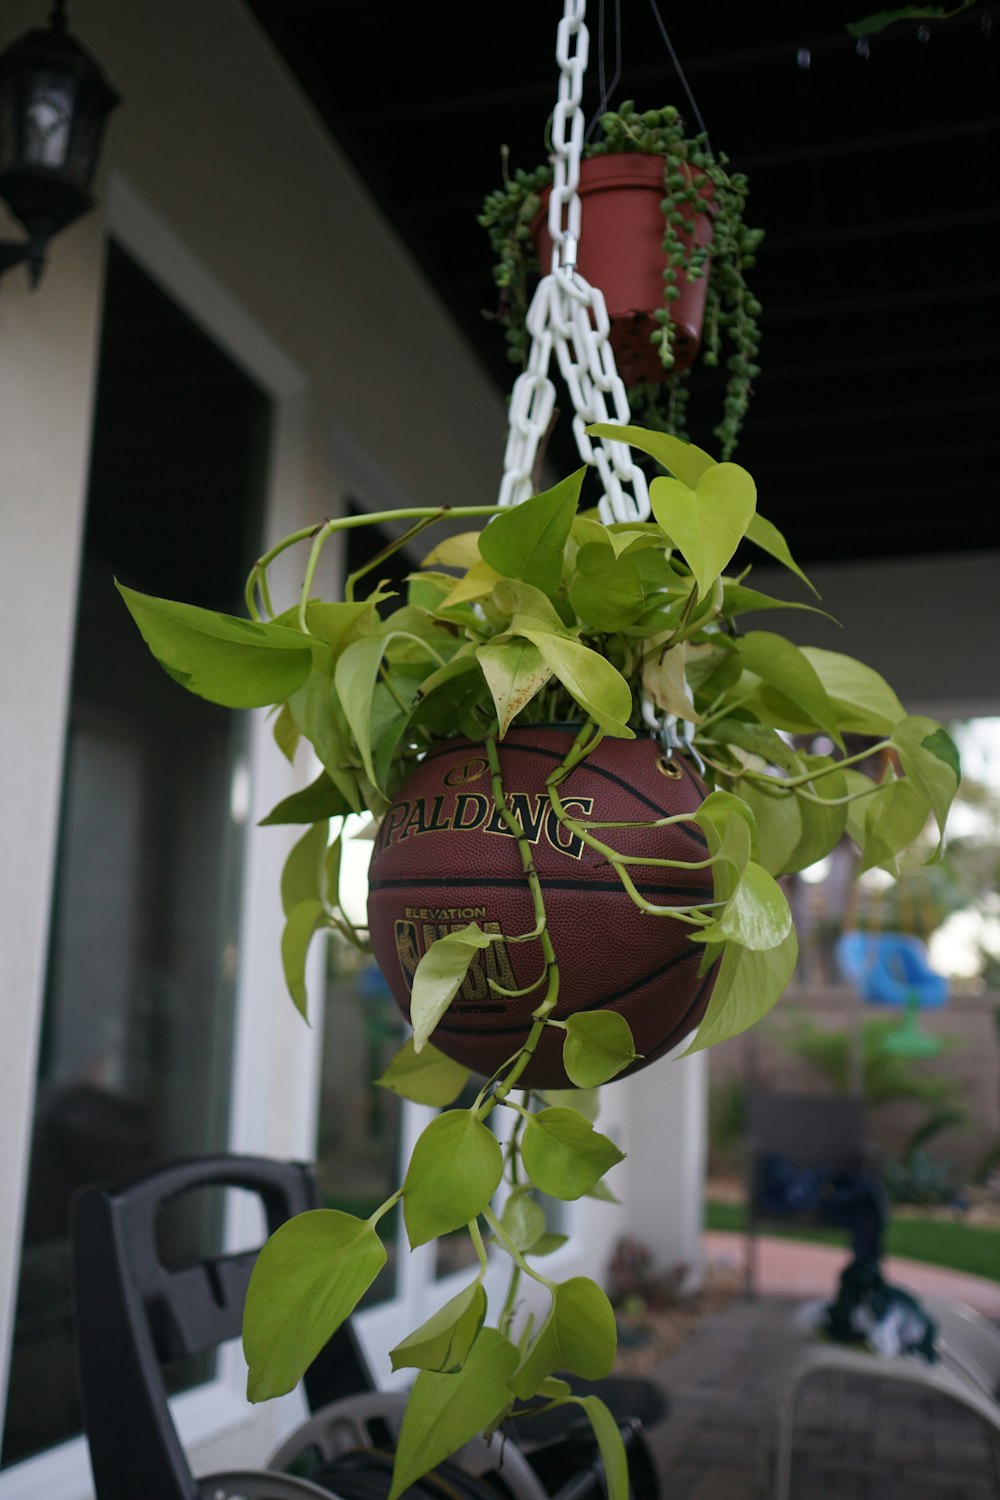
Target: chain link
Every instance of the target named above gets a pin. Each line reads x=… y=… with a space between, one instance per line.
x=569 y=317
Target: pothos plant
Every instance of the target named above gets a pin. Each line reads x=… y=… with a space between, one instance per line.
x=547 y=614
x=693 y=177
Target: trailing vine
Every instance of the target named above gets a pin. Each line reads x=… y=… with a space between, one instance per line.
x=693 y=178
x=545 y=616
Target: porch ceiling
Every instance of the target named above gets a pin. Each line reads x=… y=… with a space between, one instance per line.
x=876 y=425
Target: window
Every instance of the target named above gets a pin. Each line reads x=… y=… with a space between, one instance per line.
x=135 y=1054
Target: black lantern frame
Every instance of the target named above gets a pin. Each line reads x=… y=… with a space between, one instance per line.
x=54 y=102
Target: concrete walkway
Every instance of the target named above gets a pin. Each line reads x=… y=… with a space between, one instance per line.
x=793 y=1268
x=863 y=1439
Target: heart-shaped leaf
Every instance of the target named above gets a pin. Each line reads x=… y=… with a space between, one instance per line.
x=589 y=678
x=864 y=701
x=610 y=1444
x=308 y=1278
x=892 y=818
x=439 y=976
x=779 y=823
x=586 y=1102
x=663 y=677
x=683 y=460
x=445 y=1411
x=238 y=663
x=319 y=800
x=425 y=1077
x=782 y=665
x=756 y=915
x=706 y=524
x=598 y=1045
x=929 y=756
x=444 y=1341
x=527 y=540
x=523 y=1219
x=578 y=1335
x=302 y=878
x=300 y=924
x=454 y=1171
x=749 y=983
x=606 y=590
x=515 y=672
x=564 y=1155
x=765 y=534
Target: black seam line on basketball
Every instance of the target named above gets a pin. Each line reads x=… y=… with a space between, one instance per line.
x=692 y=831
x=672 y=1039
x=672 y=963
x=601 y=886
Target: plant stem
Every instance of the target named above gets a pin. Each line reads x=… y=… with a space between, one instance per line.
x=476 y=1236
x=322 y=534
x=512 y=1249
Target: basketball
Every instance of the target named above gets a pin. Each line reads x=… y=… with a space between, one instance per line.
x=444 y=858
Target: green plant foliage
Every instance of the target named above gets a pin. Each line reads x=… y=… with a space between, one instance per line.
x=564 y=1155
x=445 y=1411
x=693 y=177
x=445 y=1341
x=308 y=1278
x=425 y=1077
x=598 y=1045
x=439 y=977
x=578 y=1335
x=551 y=616
x=454 y=1171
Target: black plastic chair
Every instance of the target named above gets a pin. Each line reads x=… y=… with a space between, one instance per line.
x=134 y=1314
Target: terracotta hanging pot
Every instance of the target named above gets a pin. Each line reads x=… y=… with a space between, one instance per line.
x=621 y=252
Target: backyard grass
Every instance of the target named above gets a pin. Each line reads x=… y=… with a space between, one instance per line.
x=961 y=1247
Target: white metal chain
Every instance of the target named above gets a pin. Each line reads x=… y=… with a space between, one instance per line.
x=569 y=317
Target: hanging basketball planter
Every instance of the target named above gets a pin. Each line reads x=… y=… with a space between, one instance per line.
x=584 y=801
x=663 y=236
x=445 y=857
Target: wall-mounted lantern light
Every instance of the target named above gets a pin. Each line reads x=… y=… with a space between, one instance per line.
x=54 y=101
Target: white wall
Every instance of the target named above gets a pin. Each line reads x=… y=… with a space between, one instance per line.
x=216 y=150
x=929 y=625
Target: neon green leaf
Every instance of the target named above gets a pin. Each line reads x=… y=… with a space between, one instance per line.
x=686 y=462
x=598 y=1045
x=445 y=1411
x=427 y=1077
x=439 y=976
x=515 y=672
x=749 y=983
x=308 y=1278
x=527 y=540
x=454 y=1171
x=706 y=524
x=443 y=1343
x=563 y=1155
x=228 y=660
x=578 y=1335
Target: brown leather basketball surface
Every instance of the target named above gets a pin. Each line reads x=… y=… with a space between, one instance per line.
x=444 y=858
